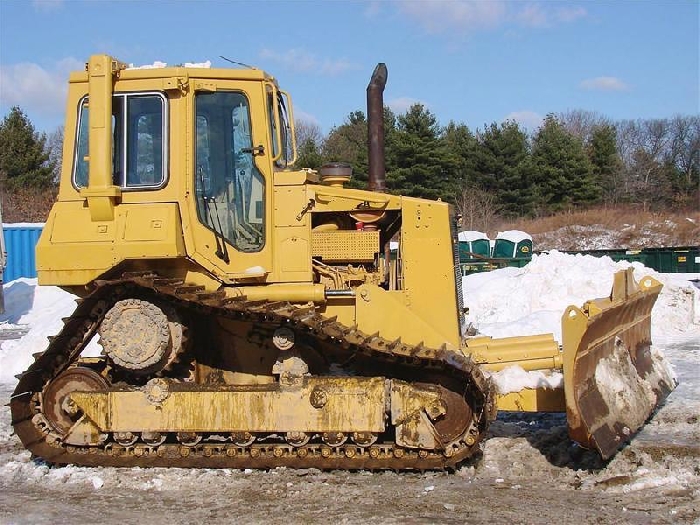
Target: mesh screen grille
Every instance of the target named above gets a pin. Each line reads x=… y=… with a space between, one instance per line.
x=458 y=271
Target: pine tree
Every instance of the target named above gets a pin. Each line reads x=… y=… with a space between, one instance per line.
x=418 y=161
x=309 y=155
x=461 y=144
x=602 y=152
x=24 y=161
x=561 y=173
x=348 y=143
x=500 y=166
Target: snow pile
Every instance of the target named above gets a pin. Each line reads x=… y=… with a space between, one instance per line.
x=514 y=236
x=156 y=65
x=531 y=300
x=160 y=65
x=205 y=65
x=471 y=236
x=515 y=379
x=39 y=308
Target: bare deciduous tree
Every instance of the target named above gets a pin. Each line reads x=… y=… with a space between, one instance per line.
x=306 y=130
x=581 y=123
x=54 y=147
x=478 y=208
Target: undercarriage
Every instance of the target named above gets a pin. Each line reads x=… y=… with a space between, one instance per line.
x=197 y=379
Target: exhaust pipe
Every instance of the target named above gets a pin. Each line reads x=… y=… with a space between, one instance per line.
x=375 y=128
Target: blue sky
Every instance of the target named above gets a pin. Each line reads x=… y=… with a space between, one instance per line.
x=473 y=62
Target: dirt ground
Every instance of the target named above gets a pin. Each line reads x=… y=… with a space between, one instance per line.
x=529 y=473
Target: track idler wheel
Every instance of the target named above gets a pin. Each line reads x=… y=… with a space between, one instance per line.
x=142 y=337
x=54 y=396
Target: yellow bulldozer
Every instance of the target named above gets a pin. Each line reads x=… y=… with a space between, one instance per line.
x=250 y=313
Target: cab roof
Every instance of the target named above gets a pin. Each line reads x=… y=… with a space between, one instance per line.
x=132 y=73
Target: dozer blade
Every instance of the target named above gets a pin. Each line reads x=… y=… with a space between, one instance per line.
x=612 y=381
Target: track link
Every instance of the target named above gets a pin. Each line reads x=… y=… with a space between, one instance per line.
x=64 y=350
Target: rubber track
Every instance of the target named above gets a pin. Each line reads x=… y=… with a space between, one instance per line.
x=65 y=348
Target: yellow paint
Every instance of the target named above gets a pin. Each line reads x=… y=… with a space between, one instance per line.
x=533 y=400
x=353 y=404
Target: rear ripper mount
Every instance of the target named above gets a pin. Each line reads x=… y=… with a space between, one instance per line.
x=71 y=410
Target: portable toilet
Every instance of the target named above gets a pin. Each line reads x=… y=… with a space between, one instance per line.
x=473 y=243
x=513 y=244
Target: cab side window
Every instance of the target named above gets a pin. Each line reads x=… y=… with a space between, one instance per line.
x=139 y=153
x=229 y=186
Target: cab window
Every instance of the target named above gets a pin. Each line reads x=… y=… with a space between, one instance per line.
x=139 y=156
x=284 y=150
x=230 y=188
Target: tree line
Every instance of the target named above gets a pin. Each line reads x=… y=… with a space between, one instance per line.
x=30 y=164
x=573 y=160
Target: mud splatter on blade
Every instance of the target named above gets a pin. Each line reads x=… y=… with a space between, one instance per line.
x=613 y=381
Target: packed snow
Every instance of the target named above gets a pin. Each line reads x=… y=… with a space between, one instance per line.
x=531 y=300
x=514 y=236
x=160 y=65
x=471 y=236
x=520 y=449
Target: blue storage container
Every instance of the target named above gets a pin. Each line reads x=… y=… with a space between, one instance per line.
x=20 y=243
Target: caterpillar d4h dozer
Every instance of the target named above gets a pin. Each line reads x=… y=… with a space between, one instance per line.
x=250 y=314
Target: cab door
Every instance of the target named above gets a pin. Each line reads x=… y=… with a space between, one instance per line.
x=232 y=174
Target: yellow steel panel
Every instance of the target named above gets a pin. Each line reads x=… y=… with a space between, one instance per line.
x=529 y=400
x=144 y=224
x=428 y=266
x=386 y=313
x=295 y=259
x=74 y=226
x=351 y=404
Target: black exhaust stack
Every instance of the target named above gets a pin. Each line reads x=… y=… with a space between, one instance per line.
x=375 y=128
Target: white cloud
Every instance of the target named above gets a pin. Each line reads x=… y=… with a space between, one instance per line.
x=533 y=15
x=302 y=61
x=460 y=15
x=37 y=90
x=465 y=16
x=604 y=84
x=530 y=120
x=403 y=104
x=303 y=116
x=47 y=6
x=543 y=15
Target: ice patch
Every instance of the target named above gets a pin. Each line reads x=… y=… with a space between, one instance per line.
x=97 y=482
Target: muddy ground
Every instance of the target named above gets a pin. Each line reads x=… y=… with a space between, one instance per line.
x=528 y=473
